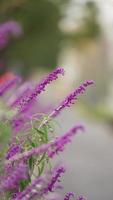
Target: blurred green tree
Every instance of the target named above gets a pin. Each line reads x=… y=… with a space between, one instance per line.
x=89 y=28
x=40 y=43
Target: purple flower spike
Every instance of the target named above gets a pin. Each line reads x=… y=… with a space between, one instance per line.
x=14 y=149
x=55 y=178
x=27 y=154
x=41 y=87
x=52 y=147
x=70 y=99
x=59 y=143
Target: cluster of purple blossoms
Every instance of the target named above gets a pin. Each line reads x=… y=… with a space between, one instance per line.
x=13 y=179
x=33 y=148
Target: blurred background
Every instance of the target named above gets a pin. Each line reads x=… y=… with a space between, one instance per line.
x=37 y=36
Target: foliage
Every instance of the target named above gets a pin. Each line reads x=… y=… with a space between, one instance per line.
x=41 y=39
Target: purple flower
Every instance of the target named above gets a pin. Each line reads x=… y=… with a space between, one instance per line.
x=13 y=150
x=7 y=30
x=71 y=98
x=11 y=28
x=69 y=195
x=13 y=179
x=41 y=87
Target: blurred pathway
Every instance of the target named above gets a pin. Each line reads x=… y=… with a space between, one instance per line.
x=89 y=159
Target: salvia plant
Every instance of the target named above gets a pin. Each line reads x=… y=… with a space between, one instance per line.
x=28 y=142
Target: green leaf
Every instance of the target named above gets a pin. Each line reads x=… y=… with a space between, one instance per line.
x=5 y=133
x=32 y=143
x=31 y=162
x=23 y=184
x=41 y=169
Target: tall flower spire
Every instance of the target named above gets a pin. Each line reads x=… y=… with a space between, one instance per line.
x=41 y=87
x=72 y=97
